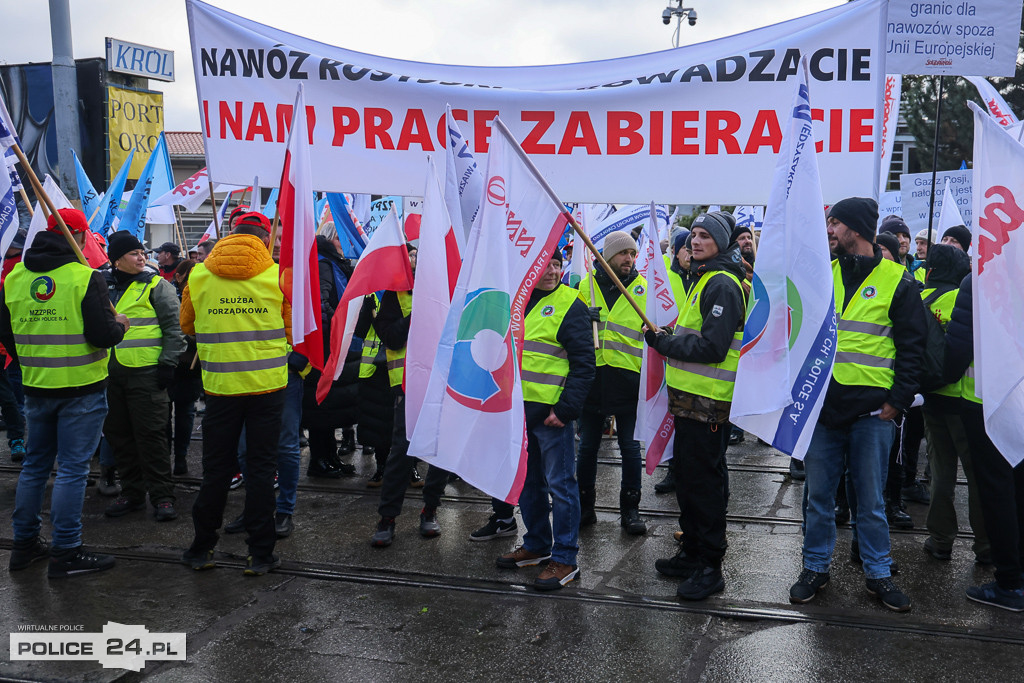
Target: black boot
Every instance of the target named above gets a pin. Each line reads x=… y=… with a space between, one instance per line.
x=668 y=484
x=587 y=514
x=348 y=441
x=180 y=465
x=629 y=507
x=322 y=468
x=344 y=468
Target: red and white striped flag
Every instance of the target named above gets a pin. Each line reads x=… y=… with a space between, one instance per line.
x=300 y=277
x=383 y=265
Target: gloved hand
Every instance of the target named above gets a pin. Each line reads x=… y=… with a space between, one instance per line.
x=651 y=338
x=595 y=313
x=164 y=376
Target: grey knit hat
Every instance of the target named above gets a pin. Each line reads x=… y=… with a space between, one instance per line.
x=719 y=225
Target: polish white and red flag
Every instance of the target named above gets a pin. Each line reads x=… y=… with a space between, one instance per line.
x=384 y=265
x=300 y=276
x=472 y=420
x=655 y=425
x=437 y=272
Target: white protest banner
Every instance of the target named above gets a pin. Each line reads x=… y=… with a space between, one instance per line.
x=954 y=37
x=997 y=106
x=916 y=192
x=619 y=130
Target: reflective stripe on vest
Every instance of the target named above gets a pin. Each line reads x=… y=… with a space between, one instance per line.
x=545 y=361
x=622 y=342
x=46 y=318
x=712 y=380
x=396 y=359
x=942 y=308
x=967 y=391
x=143 y=341
x=371 y=346
x=865 y=352
x=239 y=332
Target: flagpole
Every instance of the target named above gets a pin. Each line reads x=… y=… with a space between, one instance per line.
x=273 y=233
x=28 y=204
x=499 y=124
x=935 y=167
x=48 y=203
x=593 y=295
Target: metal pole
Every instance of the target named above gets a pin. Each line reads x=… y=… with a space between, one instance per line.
x=935 y=167
x=65 y=95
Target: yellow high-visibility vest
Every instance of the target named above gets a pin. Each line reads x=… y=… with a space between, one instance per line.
x=545 y=361
x=865 y=352
x=143 y=341
x=396 y=359
x=622 y=342
x=942 y=308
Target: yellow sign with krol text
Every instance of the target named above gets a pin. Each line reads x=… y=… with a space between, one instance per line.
x=134 y=121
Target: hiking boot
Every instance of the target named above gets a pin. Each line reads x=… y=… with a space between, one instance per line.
x=702 y=584
x=384 y=534
x=235 y=526
x=344 y=468
x=25 y=553
x=348 y=442
x=258 y=566
x=587 y=515
x=629 y=507
x=74 y=561
x=1003 y=598
x=495 y=528
x=916 y=493
x=321 y=468
x=935 y=551
x=165 y=511
x=122 y=506
x=668 y=482
x=521 y=557
x=796 y=470
x=180 y=466
x=898 y=517
x=429 y=527
x=886 y=591
x=679 y=565
x=236 y=482
x=283 y=525
x=415 y=480
x=376 y=481
x=17 y=449
x=807 y=586
x=556 y=575
x=107 y=484
x=198 y=560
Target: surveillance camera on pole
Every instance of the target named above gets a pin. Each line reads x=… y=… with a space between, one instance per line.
x=678 y=11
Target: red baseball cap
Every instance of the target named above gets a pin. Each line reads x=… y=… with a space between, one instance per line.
x=73 y=218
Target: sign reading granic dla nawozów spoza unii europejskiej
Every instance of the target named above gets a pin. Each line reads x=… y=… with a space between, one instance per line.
x=698 y=124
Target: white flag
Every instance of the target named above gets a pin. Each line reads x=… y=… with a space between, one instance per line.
x=890 y=117
x=790 y=333
x=60 y=201
x=949 y=214
x=997 y=106
x=998 y=307
x=464 y=181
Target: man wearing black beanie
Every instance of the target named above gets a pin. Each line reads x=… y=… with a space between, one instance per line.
x=879 y=354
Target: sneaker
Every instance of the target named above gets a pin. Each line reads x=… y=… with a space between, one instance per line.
x=198 y=560
x=415 y=480
x=74 y=561
x=17 y=449
x=25 y=553
x=935 y=551
x=992 y=594
x=521 y=557
x=429 y=527
x=495 y=528
x=236 y=481
x=385 y=533
x=107 y=484
x=897 y=516
x=678 y=566
x=235 y=526
x=807 y=586
x=796 y=470
x=258 y=566
x=376 y=481
x=556 y=575
x=283 y=525
x=889 y=595
x=122 y=506
x=702 y=584
x=916 y=493
x=165 y=511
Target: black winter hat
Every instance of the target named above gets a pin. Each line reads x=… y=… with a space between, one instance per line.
x=120 y=243
x=894 y=224
x=889 y=241
x=739 y=230
x=961 y=234
x=860 y=214
x=719 y=225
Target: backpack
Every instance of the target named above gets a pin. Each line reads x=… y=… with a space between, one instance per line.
x=930 y=378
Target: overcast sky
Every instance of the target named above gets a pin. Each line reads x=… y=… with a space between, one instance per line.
x=480 y=32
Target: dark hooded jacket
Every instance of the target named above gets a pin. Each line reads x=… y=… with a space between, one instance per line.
x=845 y=403
x=50 y=251
x=615 y=390
x=947 y=266
x=716 y=334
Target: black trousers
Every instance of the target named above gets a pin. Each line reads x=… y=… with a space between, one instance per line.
x=1001 y=490
x=398 y=471
x=260 y=414
x=699 y=455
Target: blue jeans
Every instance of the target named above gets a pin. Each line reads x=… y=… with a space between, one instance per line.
x=551 y=472
x=863 y=448
x=591 y=425
x=66 y=430
x=289 y=454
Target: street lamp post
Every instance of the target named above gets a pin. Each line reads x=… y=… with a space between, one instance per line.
x=678 y=11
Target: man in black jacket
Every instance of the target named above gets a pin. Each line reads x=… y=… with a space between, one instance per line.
x=558 y=368
x=879 y=348
x=1000 y=486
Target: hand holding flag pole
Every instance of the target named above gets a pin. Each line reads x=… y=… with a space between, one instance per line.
x=500 y=126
